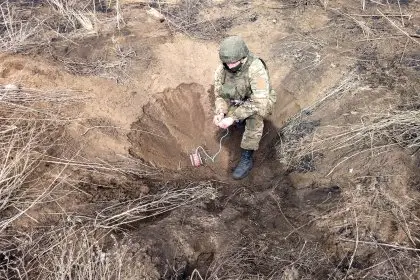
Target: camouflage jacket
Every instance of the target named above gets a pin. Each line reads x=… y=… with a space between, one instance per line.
x=249 y=88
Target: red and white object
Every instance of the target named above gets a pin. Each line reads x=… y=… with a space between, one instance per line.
x=196 y=159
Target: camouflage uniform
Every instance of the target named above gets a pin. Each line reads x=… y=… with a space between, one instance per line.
x=245 y=95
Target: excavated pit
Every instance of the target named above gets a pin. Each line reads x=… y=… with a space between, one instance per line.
x=178 y=121
x=173 y=124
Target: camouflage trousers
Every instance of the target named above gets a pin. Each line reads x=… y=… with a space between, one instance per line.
x=254 y=126
x=251 y=138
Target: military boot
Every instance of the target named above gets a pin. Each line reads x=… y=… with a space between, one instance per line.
x=244 y=165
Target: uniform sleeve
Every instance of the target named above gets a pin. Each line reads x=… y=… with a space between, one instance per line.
x=259 y=101
x=220 y=103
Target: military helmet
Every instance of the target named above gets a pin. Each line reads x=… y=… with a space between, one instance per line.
x=232 y=49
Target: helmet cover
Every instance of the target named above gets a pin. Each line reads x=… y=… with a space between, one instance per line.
x=233 y=49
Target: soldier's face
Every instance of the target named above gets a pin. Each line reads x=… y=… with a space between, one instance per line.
x=233 y=64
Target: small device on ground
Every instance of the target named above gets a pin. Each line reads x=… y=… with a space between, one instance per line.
x=196 y=159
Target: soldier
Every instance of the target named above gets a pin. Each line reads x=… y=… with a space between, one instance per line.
x=243 y=93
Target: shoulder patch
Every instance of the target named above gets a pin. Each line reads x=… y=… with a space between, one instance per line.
x=261 y=83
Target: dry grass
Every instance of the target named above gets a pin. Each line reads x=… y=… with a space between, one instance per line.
x=260 y=259
x=16 y=95
x=374 y=133
x=376 y=220
x=30 y=122
x=76 y=17
x=375 y=228
x=189 y=17
x=103 y=67
x=22 y=29
x=296 y=146
x=371 y=132
x=126 y=212
x=20 y=158
x=15 y=33
x=80 y=251
x=73 y=253
x=68 y=252
x=121 y=166
x=306 y=52
x=27 y=126
x=72 y=249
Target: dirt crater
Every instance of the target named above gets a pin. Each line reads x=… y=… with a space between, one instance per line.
x=177 y=123
x=172 y=126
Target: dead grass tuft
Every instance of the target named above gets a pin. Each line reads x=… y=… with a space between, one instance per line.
x=375 y=223
x=296 y=149
x=28 y=128
x=375 y=132
x=68 y=252
x=15 y=33
x=258 y=259
x=104 y=67
x=22 y=29
x=115 y=215
x=188 y=17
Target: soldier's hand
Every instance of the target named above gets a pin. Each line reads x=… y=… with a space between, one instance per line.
x=218 y=118
x=226 y=122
